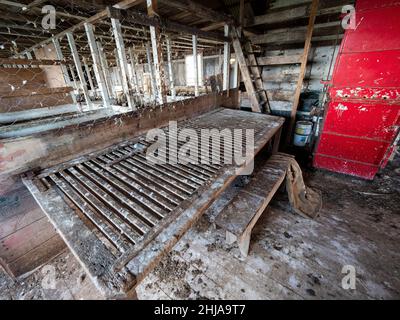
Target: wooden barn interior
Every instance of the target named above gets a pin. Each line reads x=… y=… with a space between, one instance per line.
x=107 y=190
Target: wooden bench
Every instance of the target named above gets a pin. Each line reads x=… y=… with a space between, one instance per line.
x=243 y=211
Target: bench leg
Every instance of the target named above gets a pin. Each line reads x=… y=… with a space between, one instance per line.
x=132 y=295
x=244 y=243
x=230 y=238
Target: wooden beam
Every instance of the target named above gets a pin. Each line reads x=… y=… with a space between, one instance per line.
x=101 y=81
x=196 y=68
x=64 y=69
x=307 y=46
x=198 y=10
x=78 y=67
x=123 y=64
x=31 y=62
x=293 y=35
x=170 y=69
x=151 y=71
x=139 y=18
x=103 y=71
x=158 y=60
x=279 y=60
x=241 y=14
x=134 y=79
x=88 y=74
x=214 y=26
x=226 y=63
x=299 y=12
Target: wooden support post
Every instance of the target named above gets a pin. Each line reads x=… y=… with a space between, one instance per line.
x=158 y=60
x=307 y=46
x=118 y=69
x=141 y=68
x=276 y=141
x=236 y=73
x=241 y=15
x=78 y=67
x=196 y=67
x=151 y=71
x=123 y=64
x=89 y=75
x=73 y=75
x=135 y=80
x=104 y=69
x=170 y=70
x=226 y=65
x=64 y=69
x=101 y=82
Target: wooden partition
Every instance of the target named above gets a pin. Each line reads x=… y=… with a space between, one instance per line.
x=51 y=147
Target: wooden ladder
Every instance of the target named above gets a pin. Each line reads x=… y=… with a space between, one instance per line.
x=250 y=73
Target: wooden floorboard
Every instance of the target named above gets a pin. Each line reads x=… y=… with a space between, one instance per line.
x=27 y=238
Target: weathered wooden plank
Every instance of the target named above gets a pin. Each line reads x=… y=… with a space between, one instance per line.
x=307 y=46
x=17 y=244
x=78 y=66
x=296 y=13
x=244 y=210
x=123 y=64
x=37 y=256
x=158 y=60
x=31 y=62
x=12 y=104
x=195 y=65
x=25 y=92
x=298 y=35
x=279 y=60
x=226 y=62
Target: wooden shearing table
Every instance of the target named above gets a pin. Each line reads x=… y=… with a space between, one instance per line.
x=119 y=214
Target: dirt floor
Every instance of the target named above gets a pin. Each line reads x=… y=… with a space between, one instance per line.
x=290 y=257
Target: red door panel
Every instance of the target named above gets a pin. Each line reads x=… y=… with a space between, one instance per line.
x=363 y=110
x=362 y=5
x=375 y=30
x=345 y=166
x=362 y=119
x=368 y=69
x=353 y=149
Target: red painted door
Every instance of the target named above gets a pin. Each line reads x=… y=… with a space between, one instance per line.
x=363 y=112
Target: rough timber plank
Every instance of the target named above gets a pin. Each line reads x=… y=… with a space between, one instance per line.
x=248 y=205
x=24 y=230
x=37 y=256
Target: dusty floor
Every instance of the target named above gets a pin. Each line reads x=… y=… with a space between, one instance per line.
x=290 y=257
